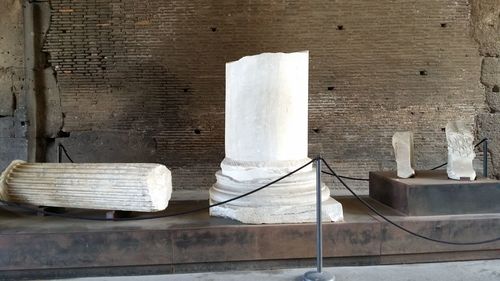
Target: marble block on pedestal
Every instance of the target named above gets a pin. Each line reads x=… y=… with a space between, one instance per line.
x=403 y=150
x=460 y=151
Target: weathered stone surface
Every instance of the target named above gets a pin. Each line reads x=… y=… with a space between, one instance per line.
x=11 y=80
x=6 y=94
x=486 y=25
x=266 y=138
x=488 y=127
x=11 y=149
x=13 y=145
x=20 y=125
x=490 y=72
x=460 y=151
x=403 y=150
x=51 y=117
x=11 y=34
x=11 y=57
x=485 y=21
x=117 y=186
x=493 y=101
x=7 y=127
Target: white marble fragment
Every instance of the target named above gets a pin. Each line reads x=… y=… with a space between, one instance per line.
x=114 y=186
x=402 y=142
x=460 y=151
x=266 y=138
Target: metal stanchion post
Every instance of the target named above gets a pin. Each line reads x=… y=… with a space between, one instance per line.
x=318 y=275
x=59 y=156
x=485 y=158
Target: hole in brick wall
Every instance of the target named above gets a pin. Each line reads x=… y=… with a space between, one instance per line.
x=64 y=31
x=316 y=130
x=443 y=129
x=63 y=134
x=23 y=123
x=214 y=29
x=331 y=88
x=443 y=25
x=496 y=89
x=340 y=27
x=185 y=90
x=103 y=67
x=412 y=113
x=197 y=131
x=423 y=72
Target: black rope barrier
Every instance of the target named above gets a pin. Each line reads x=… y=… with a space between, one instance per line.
x=363 y=179
x=476 y=145
x=331 y=172
x=399 y=226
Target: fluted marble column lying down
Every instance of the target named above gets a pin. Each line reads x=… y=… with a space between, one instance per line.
x=141 y=187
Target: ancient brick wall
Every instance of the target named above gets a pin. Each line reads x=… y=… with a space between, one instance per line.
x=144 y=80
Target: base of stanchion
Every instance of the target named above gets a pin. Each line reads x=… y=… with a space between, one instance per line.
x=318 y=276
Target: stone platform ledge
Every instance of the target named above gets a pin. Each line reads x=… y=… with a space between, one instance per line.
x=33 y=247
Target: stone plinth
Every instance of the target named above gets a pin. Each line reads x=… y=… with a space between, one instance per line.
x=460 y=151
x=403 y=150
x=266 y=138
x=118 y=186
x=432 y=193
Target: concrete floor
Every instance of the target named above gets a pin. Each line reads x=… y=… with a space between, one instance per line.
x=451 y=271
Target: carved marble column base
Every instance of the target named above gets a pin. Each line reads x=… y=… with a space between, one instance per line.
x=331 y=211
x=292 y=200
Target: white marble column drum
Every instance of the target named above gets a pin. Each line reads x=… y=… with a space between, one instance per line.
x=266 y=138
x=138 y=187
x=460 y=151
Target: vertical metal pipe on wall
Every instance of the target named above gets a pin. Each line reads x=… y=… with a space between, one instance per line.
x=485 y=158
x=29 y=79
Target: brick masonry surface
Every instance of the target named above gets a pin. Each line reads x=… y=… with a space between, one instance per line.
x=153 y=71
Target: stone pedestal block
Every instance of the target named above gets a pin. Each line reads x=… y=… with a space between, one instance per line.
x=118 y=186
x=266 y=138
x=432 y=193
